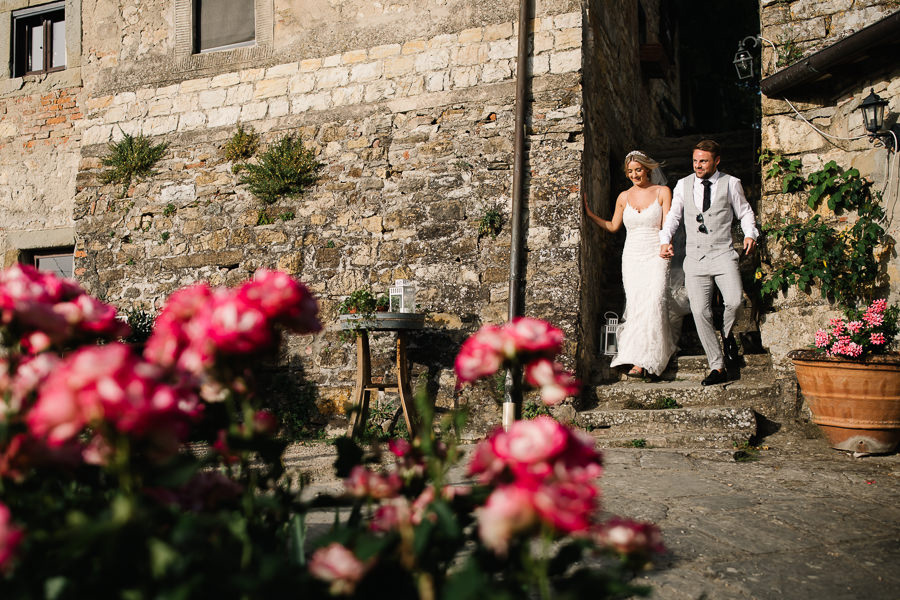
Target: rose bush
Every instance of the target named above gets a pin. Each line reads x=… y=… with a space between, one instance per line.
x=105 y=493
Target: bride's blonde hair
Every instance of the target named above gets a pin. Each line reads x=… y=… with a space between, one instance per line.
x=639 y=157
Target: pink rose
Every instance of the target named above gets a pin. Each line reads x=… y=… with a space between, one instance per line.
x=338 y=566
x=509 y=510
x=480 y=356
x=531 y=441
x=534 y=336
x=630 y=538
x=10 y=538
x=556 y=384
x=567 y=506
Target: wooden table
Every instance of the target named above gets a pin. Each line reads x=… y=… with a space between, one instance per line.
x=401 y=323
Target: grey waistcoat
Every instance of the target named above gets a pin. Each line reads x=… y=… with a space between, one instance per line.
x=718 y=220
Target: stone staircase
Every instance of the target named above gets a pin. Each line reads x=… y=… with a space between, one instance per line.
x=628 y=413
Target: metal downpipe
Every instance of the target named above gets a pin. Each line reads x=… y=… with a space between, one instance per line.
x=513 y=384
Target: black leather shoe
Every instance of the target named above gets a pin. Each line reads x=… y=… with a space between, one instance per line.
x=714 y=377
x=732 y=355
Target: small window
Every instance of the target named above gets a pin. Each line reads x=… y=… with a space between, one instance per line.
x=60 y=261
x=39 y=39
x=223 y=24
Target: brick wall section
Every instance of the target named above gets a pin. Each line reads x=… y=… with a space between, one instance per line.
x=814 y=25
x=417 y=143
x=39 y=145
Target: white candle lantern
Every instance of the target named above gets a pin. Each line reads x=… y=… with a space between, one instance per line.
x=610 y=334
x=402 y=296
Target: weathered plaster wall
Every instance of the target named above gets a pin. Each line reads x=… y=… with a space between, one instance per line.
x=415 y=134
x=814 y=25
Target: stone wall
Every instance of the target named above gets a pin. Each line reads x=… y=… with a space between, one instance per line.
x=621 y=114
x=813 y=25
x=416 y=139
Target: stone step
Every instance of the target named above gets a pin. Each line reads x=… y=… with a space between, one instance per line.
x=700 y=427
x=695 y=367
x=758 y=394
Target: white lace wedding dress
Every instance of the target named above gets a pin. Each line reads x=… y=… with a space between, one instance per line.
x=645 y=338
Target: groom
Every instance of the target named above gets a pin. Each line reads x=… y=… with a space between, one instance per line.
x=709 y=201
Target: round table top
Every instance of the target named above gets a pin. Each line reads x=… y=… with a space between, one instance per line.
x=383 y=321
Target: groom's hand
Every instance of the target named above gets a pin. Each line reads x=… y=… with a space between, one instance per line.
x=749 y=245
x=666 y=251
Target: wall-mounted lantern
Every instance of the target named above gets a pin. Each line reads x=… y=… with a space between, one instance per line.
x=610 y=334
x=872 y=108
x=743 y=60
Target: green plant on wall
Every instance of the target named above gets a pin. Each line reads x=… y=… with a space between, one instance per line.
x=491 y=223
x=130 y=158
x=287 y=168
x=844 y=258
x=241 y=146
x=788 y=52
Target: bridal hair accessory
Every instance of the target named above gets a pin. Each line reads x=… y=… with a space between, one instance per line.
x=657 y=177
x=636 y=153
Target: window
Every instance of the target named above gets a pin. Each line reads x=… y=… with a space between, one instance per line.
x=223 y=24
x=39 y=39
x=60 y=261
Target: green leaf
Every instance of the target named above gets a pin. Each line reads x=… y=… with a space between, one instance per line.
x=162 y=555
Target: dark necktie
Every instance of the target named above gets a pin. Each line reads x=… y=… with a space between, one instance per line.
x=707 y=196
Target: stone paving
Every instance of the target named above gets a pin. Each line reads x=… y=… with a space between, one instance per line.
x=797 y=521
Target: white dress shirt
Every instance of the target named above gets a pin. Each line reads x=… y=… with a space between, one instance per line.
x=739 y=205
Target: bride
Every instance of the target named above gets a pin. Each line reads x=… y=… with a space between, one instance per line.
x=646 y=339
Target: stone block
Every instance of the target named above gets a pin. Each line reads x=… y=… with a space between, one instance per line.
x=194 y=85
x=463 y=77
x=384 y=51
x=332 y=78
x=220 y=117
x=306 y=102
x=211 y=98
x=473 y=54
x=468 y=36
x=567 y=38
x=191 y=120
x=432 y=60
x=254 y=111
x=283 y=70
x=366 y=71
x=565 y=62
x=349 y=95
x=568 y=20
x=497 y=32
x=239 y=94
x=225 y=80
x=496 y=71
x=413 y=47
x=399 y=65
x=268 y=88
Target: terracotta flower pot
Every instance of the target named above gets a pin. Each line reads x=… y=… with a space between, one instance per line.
x=855 y=403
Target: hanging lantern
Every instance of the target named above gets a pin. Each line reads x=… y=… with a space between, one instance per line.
x=873 y=112
x=610 y=332
x=402 y=296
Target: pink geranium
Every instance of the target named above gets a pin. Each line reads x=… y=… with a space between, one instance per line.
x=871 y=330
x=10 y=538
x=338 y=566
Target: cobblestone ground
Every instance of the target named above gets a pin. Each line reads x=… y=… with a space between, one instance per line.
x=797 y=520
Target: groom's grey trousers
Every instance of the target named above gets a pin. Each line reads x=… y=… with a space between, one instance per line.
x=699 y=278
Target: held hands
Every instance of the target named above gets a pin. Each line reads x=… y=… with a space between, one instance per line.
x=666 y=251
